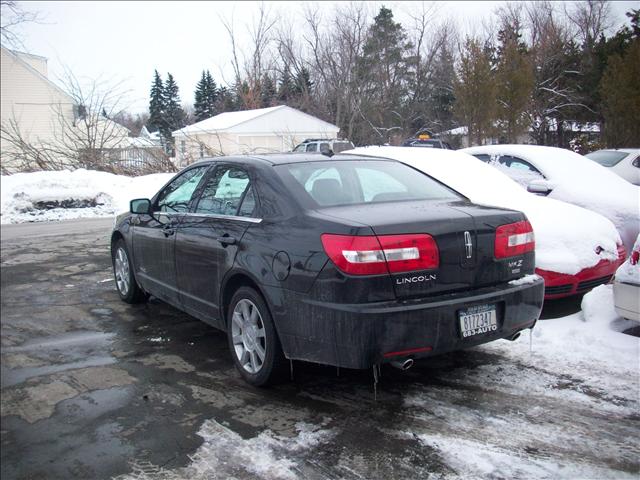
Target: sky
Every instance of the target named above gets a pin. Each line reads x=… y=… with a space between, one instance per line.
x=124 y=42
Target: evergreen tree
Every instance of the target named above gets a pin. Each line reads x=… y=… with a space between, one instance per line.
x=385 y=69
x=620 y=92
x=268 y=92
x=475 y=92
x=200 y=105
x=211 y=95
x=286 y=89
x=303 y=83
x=174 y=115
x=515 y=79
x=156 y=104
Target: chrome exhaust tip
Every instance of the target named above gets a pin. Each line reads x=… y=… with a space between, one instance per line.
x=404 y=364
x=514 y=337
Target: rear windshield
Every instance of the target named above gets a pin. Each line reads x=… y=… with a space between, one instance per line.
x=331 y=183
x=607 y=158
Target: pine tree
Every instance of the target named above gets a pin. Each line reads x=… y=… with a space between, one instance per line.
x=174 y=115
x=211 y=95
x=515 y=79
x=303 y=83
x=475 y=92
x=200 y=105
x=156 y=104
x=286 y=89
x=268 y=92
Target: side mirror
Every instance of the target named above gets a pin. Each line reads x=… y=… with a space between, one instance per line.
x=539 y=187
x=140 y=205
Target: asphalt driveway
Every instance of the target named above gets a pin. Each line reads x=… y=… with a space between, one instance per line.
x=94 y=388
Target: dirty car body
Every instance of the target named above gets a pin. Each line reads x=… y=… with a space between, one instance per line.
x=354 y=261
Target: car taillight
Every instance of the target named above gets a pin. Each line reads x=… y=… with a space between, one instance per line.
x=371 y=255
x=514 y=239
x=635 y=256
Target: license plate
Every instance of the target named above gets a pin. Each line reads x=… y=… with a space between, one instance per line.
x=478 y=320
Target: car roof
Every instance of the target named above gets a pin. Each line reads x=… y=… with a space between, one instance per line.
x=286 y=158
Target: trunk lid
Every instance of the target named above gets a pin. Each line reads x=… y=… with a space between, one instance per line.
x=464 y=233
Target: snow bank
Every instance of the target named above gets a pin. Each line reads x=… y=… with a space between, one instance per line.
x=583 y=182
x=58 y=195
x=225 y=454
x=567 y=236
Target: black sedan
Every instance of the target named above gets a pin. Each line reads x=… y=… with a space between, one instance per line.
x=348 y=261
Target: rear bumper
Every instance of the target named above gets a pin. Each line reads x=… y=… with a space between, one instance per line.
x=626 y=298
x=359 y=335
x=559 y=285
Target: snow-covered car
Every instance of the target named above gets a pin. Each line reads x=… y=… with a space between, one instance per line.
x=624 y=162
x=572 y=178
x=576 y=249
x=626 y=286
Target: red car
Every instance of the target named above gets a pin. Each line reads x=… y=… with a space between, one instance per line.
x=559 y=285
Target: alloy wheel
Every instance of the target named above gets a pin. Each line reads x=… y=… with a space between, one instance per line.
x=248 y=336
x=122 y=273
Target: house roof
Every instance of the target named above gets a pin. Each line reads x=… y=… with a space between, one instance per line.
x=228 y=120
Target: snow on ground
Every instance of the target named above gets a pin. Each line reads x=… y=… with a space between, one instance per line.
x=567 y=236
x=28 y=197
x=225 y=454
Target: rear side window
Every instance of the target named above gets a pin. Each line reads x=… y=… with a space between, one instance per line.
x=223 y=191
x=342 y=146
x=326 y=184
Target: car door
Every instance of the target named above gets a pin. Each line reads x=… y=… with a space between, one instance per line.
x=154 y=235
x=209 y=237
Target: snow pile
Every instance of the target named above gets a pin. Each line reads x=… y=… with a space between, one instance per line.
x=630 y=273
x=567 y=236
x=526 y=280
x=58 y=195
x=225 y=454
x=581 y=181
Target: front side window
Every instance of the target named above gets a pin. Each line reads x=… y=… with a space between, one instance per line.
x=224 y=191
x=325 y=184
x=177 y=195
x=300 y=148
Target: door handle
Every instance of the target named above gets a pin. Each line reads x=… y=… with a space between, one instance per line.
x=226 y=240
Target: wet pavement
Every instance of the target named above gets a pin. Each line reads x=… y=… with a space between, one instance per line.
x=94 y=388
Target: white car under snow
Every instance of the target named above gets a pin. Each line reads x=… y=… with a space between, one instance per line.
x=572 y=178
x=569 y=239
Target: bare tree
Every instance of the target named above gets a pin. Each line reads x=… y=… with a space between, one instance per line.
x=13 y=16
x=591 y=19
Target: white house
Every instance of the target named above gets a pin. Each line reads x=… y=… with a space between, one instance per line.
x=37 y=116
x=264 y=130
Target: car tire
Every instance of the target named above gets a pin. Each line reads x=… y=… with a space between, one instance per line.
x=126 y=284
x=253 y=340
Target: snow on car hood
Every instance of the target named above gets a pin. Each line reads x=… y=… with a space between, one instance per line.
x=567 y=236
x=581 y=181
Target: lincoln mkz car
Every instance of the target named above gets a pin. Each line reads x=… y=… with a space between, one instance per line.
x=348 y=261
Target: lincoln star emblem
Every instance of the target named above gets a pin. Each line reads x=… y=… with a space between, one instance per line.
x=468 y=244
